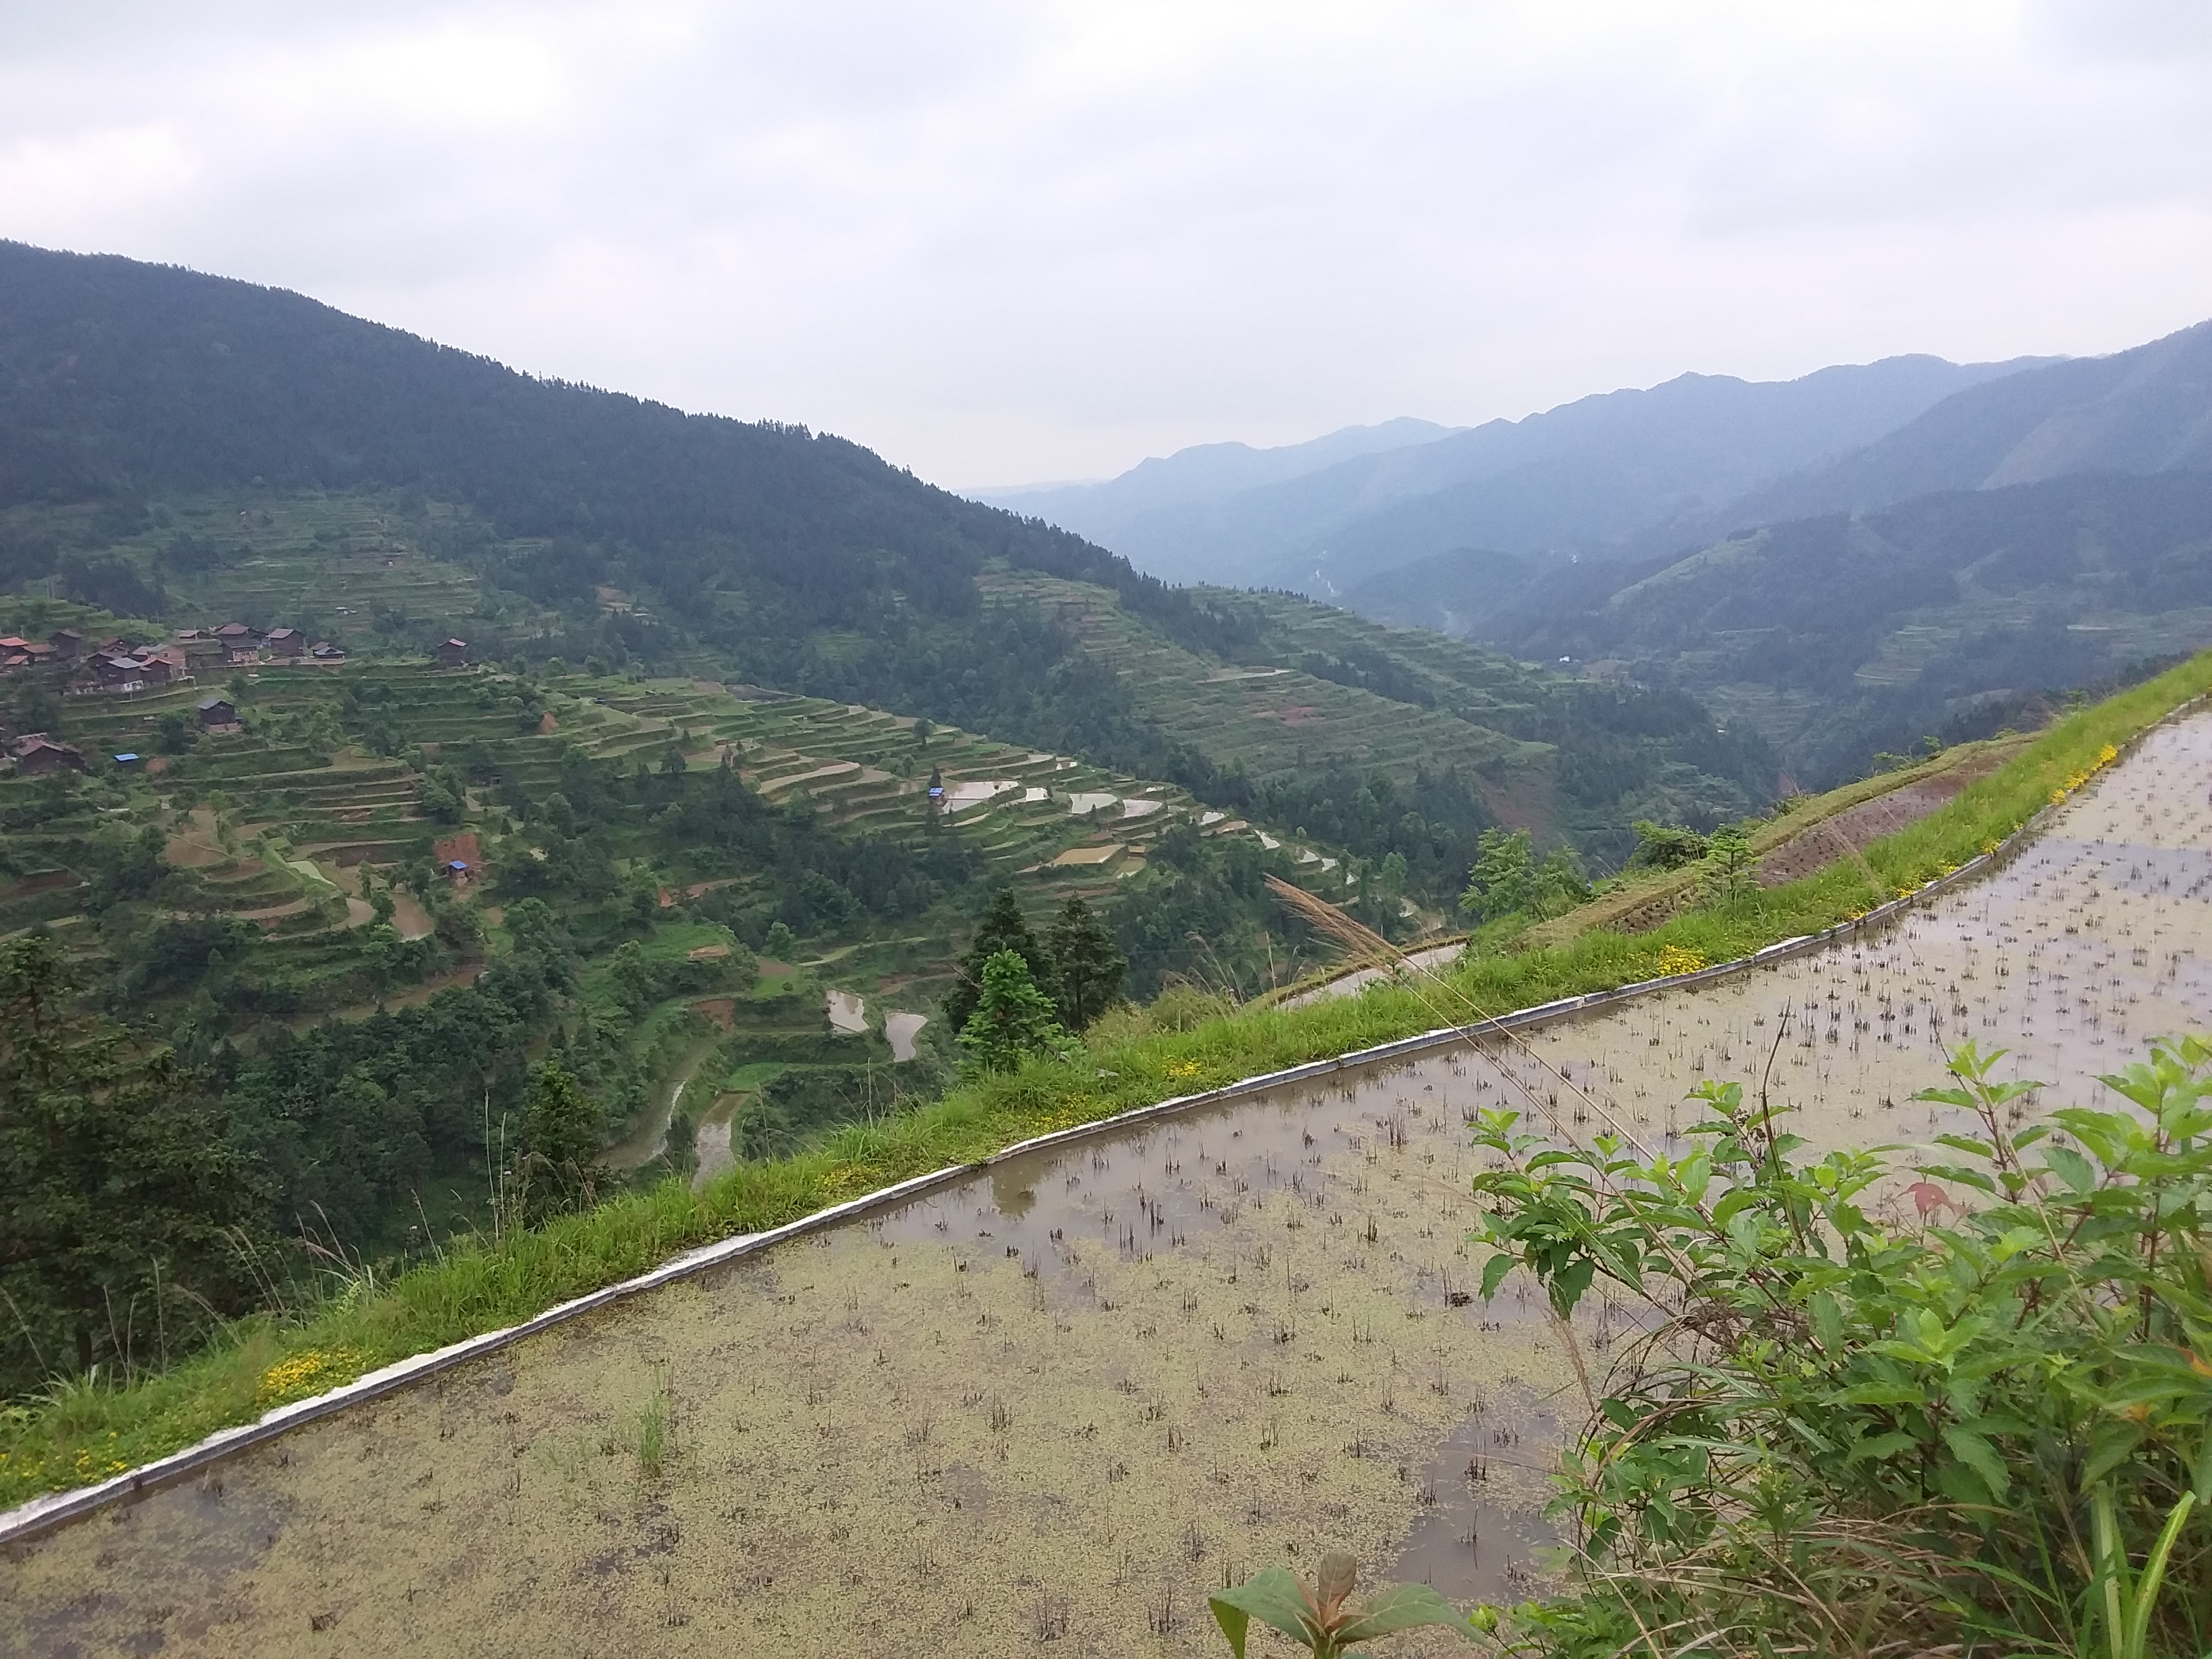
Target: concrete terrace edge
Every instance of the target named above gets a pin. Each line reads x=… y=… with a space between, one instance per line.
x=44 y=1514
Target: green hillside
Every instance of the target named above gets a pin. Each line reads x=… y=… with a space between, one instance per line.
x=150 y=409
x=1842 y=636
x=715 y=668
x=1323 y=719
x=716 y=906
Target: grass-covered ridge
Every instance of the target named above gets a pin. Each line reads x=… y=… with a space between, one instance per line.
x=86 y=1432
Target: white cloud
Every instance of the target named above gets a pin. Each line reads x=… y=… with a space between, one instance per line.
x=1000 y=240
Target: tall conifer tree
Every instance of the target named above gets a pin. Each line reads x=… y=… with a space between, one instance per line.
x=1088 y=964
x=1001 y=928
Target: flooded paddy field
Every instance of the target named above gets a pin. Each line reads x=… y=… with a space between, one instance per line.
x=1056 y=1402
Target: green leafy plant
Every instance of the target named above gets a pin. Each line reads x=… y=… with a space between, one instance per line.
x=1507 y=878
x=1012 y=1018
x=1958 y=1428
x=1729 y=873
x=1323 y=1618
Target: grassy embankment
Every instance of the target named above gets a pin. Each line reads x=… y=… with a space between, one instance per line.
x=86 y=1433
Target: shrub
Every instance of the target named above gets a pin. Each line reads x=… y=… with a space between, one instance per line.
x=1981 y=1430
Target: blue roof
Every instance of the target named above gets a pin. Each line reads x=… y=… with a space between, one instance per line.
x=457 y=863
x=126 y=759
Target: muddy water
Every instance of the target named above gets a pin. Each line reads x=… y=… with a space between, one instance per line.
x=409 y=916
x=1436 y=956
x=1062 y=1399
x=648 y=1138
x=712 y=1147
x=901 y=1030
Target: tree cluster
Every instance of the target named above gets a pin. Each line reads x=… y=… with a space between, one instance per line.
x=1021 y=985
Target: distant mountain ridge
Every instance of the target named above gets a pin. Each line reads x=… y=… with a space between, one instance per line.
x=1840 y=634
x=1203 y=472
x=1595 y=471
x=2145 y=410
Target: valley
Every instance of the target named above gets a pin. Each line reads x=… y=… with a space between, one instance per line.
x=1237 y=1314
x=676 y=1030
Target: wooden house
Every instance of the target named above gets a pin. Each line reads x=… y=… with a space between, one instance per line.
x=39 y=754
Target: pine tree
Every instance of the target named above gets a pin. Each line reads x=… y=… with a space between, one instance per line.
x=559 y=1168
x=1730 y=873
x=1087 y=964
x=127 y=1197
x=1001 y=928
x=1012 y=1018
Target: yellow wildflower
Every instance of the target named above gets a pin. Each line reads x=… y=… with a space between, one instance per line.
x=1675 y=959
x=1182 y=1068
x=306 y=1373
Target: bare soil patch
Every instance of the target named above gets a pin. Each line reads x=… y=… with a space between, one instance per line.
x=44 y=883
x=1857 y=827
x=464 y=846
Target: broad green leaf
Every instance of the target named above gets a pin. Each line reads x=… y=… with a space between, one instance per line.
x=1827 y=1319
x=1273 y=1597
x=1880 y=1446
x=1977 y=1455
x=2112 y=1445
x=1403 y=1606
x=2015 y=1240
x=1493 y=1274
x=2070 y=1167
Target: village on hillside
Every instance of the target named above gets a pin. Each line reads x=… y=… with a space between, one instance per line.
x=117 y=666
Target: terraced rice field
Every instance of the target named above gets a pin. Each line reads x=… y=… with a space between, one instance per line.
x=1276 y=722
x=294 y=826
x=1060 y=1400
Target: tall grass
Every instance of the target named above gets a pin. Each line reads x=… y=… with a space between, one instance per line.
x=482 y=1285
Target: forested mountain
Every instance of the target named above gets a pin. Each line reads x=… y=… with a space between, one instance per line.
x=1842 y=634
x=1587 y=474
x=122 y=381
x=1206 y=474
x=779 y=557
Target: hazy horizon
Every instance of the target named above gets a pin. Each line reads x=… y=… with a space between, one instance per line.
x=1017 y=243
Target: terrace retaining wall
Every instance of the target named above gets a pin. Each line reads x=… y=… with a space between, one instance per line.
x=43 y=1514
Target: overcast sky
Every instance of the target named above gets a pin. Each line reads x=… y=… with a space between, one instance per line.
x=1005 y=240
